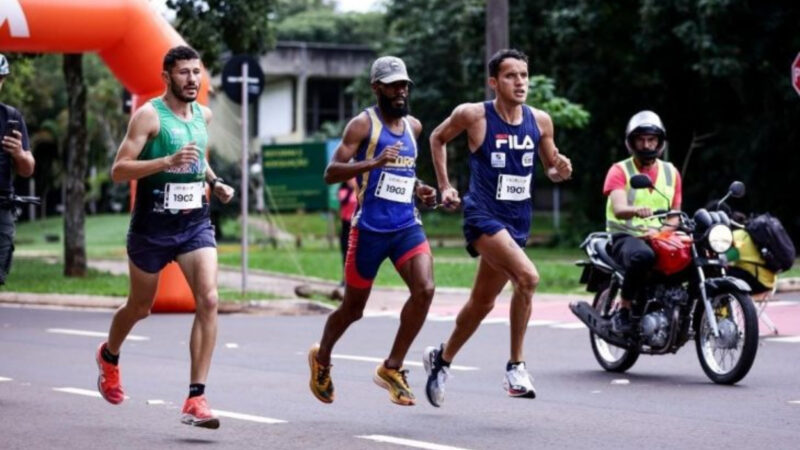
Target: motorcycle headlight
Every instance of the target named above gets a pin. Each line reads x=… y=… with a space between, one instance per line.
x=720 y=238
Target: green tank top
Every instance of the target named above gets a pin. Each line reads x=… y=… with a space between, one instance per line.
x=174 y=132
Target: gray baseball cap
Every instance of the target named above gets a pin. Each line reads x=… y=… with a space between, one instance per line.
x=388 y=69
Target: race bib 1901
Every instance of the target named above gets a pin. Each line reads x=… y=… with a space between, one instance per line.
x=395 y=188
x=513 y=187
x=183 y=195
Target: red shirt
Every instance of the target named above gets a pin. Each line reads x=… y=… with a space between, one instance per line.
x=347 y=202
x=615 y=179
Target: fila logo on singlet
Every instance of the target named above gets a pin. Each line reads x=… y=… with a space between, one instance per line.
x=512 y=141
x=11 y=10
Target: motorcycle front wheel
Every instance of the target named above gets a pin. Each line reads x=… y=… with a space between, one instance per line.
x=727 y=359
x=610 y=357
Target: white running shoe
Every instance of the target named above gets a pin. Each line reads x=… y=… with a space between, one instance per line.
x=437 y=376
x=518 y=382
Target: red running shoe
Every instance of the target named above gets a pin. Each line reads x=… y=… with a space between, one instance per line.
x=108 y=382
x=197 y=413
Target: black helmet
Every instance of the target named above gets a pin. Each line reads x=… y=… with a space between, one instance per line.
x=4 y=69
x=645 y=122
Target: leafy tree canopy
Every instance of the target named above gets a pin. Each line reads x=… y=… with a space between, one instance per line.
x=213 y=27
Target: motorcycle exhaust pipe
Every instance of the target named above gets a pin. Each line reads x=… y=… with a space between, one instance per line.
x=597 y=324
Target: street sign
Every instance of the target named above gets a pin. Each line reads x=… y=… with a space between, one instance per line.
x=232 y=78
x=796 y=74
x=293 y=176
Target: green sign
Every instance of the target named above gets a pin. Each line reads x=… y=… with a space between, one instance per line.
x=293 y=176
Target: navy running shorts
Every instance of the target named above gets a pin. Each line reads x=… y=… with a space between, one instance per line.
x=152 y=253
x=475 y=226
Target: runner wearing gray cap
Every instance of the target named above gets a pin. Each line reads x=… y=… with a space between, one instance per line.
x=388 y=69
x=379 y=150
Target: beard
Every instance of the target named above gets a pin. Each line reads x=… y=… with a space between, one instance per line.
x=177 y=91
x=386 y=106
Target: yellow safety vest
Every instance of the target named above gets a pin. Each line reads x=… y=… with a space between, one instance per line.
x=665 y=183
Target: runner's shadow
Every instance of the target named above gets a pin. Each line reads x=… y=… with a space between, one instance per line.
x=195 y=441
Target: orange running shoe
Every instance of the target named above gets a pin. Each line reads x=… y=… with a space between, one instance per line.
x=320 y=383
x=396 y=382
x=108 y=382
x=197 y=413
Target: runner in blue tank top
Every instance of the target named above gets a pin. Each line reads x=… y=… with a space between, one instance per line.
x=379 y=148
x=505 y=136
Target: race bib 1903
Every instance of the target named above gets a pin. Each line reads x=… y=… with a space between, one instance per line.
x=183 y=195
x=395 y=188
x=513 y=187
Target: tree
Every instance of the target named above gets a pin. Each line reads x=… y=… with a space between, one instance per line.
x=717 y=69
x=77 y=156
x=326 y=25
x=216 y=26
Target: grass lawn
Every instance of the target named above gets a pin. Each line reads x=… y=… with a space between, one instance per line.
x=105 y=236
x=37 y=275
x=452 y=266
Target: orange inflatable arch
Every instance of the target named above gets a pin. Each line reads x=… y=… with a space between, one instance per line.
x=132 y=39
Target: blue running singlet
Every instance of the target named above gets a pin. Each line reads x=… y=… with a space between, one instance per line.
x=501 y=178
x=386 y=194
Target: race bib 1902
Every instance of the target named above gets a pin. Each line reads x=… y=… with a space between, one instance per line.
x=513 y=187
x=183 y=195
x=395 y=188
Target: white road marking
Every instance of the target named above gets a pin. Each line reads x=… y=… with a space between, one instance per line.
x=248 y=417
x=794 y=402
x=406 y=363
x=620 y=381
x=408 y=442
x=156 y=402
x=6 y=379
x=572 y=325
x=77 y=391
x=131 y=337
x=231 y=345
x=787 y=339
x=491 y=320
x=381 y=314
x=569 y=325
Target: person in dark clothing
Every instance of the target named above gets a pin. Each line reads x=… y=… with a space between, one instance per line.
x=16 y=157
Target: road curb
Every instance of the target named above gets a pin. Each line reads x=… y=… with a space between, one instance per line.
x=287 y=307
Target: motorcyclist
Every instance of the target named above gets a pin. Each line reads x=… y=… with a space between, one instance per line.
x=629 y=211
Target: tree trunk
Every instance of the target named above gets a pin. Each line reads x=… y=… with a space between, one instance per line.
x=77 y=160
x=496 y=32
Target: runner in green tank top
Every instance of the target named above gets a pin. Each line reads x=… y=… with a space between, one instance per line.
x=164 y=149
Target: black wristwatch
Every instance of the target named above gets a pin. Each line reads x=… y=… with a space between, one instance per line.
x=213 y=183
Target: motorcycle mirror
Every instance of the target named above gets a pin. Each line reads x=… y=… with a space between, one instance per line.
x=737 y=189
x=641 y=181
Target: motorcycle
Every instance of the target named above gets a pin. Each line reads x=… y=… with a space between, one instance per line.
x=687 y=295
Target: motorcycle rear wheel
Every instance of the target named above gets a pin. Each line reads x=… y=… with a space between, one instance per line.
x=728 y=363
x=610 y=357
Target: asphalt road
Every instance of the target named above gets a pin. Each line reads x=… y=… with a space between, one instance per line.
x=259 y=382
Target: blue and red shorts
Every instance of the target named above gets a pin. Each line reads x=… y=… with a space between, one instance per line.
x=368 y=249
